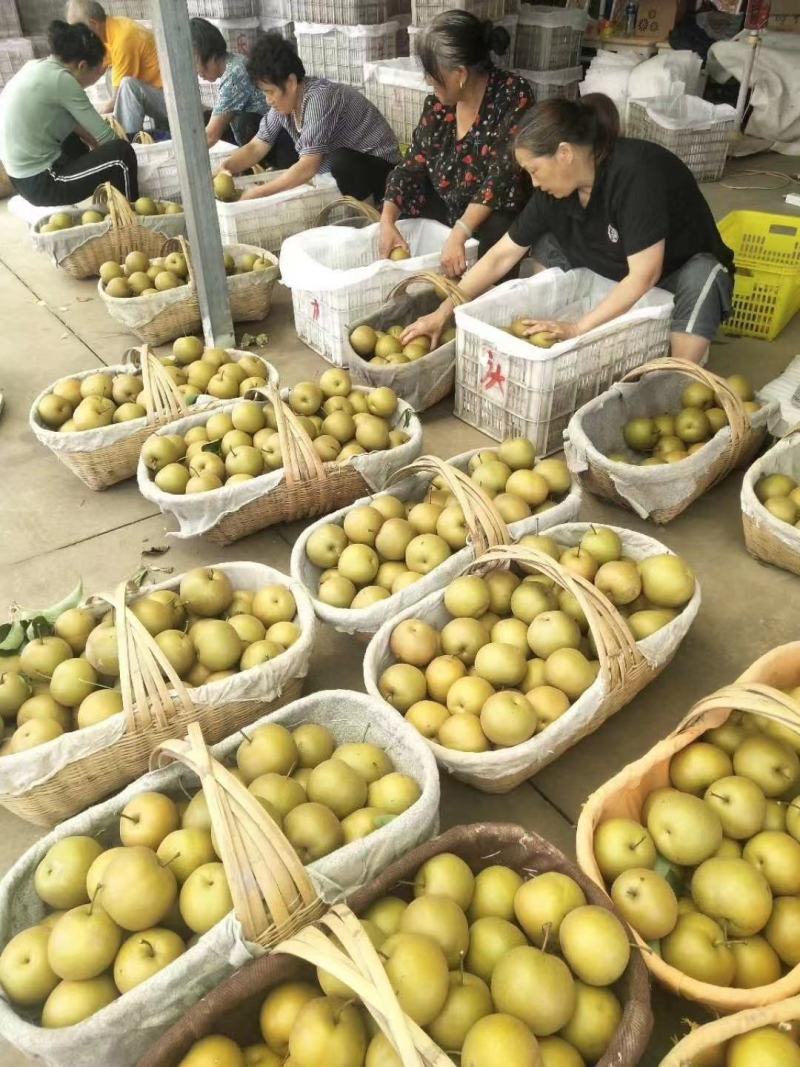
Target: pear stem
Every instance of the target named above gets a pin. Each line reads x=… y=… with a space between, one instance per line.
x=130 y=818
x=172 y=859
x=548 y=929
x=149 y=945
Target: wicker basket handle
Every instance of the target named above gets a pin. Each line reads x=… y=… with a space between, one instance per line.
x=729 y=400
x=339 y=945
x=616 y=648
x=162 y=398
x=143 y=137
x=485 y=525
x=719 y=1031
x=763 y=700
x=117 y=127
x=446 y=288
x=272 y=893
x=365 y=210
x=119 y=210
x=301 y=461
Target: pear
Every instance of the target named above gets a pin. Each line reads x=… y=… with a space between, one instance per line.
x=535 y=987
x=72 y=1002
x=417 y=970
x=329 y=1031
x=500 y=1038
x=26 y=976
x=136 y=891
x=83 y=943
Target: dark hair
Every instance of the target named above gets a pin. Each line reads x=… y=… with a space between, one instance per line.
x=207 y=41
x=592 y=122
x=458 y=39
x=71 y=44
x=273 y=59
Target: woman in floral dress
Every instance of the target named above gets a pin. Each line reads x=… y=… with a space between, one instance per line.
x=460 y=169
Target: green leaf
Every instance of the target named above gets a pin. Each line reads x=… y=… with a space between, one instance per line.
x=12 y=638
x=215 y=447
x=674 y=875
x=39 y=626
x=71 y=600
x=655 y=946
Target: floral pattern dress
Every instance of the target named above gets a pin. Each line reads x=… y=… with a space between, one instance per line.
x=478 y=169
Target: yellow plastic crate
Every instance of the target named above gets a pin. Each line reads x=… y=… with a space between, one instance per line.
x=766 y=292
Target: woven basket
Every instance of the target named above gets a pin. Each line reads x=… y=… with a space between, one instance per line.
x=128 y=232
x=766 y=537
x=599 y=475
x=154 y=710
x=348 y=211
x=702 y=1041
x=624 y=672
x=232 y=1008
x=119 y=130
x=423 y=382
x=756 y=691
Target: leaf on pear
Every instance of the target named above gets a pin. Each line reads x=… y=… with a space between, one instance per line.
x=673 y=875
x=12 y=638
x=214 y=447
x=71 y=600
x=39 y=626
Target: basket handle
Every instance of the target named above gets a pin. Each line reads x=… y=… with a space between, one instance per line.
x=738 y=419
x=271 y=890
x=485 y=525
x=301 y=461
x=616 y=648
x=162 y=398
x=143 y=137
x=365 y=210
x=762 y=700
x=444 y=287
x=117 y=127
x=119 y=210
x=339 y=945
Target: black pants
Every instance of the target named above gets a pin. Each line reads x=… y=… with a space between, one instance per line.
x=495 y=227
x=78 y=171
x=359 y=174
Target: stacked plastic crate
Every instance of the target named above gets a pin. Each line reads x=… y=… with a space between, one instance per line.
x=548 y=49
x=335 y=38
x=276 y=16
x=16 y=49
x=423 y=11
x=237 y=20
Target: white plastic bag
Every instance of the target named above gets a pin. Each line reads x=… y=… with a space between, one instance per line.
x=782 y=458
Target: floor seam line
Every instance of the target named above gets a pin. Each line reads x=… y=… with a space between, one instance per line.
x=81 y=540
x=556 y=807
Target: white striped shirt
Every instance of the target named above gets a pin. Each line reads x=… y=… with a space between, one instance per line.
x=333 y=116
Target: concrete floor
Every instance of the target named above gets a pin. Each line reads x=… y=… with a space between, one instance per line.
x=54 y=530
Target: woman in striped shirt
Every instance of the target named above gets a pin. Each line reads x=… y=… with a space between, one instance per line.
x=334 y=128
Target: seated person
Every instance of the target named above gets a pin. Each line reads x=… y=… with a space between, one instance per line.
x=239 y=105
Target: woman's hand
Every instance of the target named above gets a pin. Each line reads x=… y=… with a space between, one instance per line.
x=554 y=331
x=454 y=256
x=255 y=192
x=389 y=238
x=428 y=326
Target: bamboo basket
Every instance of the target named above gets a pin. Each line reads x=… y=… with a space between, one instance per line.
x=702 y=1041
x=766 y=537
x=755 y=691
x=100 y=468
x=119 y=129
x=128 y=232
x=423 y=382
x=232 y=1008
x=624 y=670
x=362 y=214
x=600 y=476
x=83 y=766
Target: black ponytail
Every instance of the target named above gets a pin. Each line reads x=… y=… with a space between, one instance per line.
x=458 y=39
x=75 y=44
x=592 y=122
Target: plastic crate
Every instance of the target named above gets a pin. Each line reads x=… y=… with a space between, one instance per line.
x=694 y=130
x=547 y=84
x=36 y=15
x=14 y=54
x=240 y=34
x=158 y=168
x=343 y=12
x=337 y=279
x=274 y=9
x=272 y=24
x=549 y=38
x=222 y=9
x=506 y=387
x=398 y=89
x=766 y=289
x=424 y=11
x=129 y=9
x=340 y=52
x=209 y=93
x=504 y=60
x=10 y=25
x=268 y=222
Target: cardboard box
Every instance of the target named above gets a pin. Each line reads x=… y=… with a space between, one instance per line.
x=654 y=19
x=784 y=16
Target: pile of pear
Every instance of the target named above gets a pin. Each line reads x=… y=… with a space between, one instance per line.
x=145 y=205
x=674 y=436
x=383 y=348
x=123 y=912
x=518 y=328
x=206 y=629
x=517 y=651
x=710 y=875
x=383 y=547
x=767 y=1046
x=139 y=275
x=238 y=445
x=497 y=967
x=780 y=495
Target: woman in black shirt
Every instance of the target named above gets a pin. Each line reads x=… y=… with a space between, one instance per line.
x=628 y=210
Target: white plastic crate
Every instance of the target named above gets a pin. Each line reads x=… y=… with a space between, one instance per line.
x=240 y=34
x=697 y=132
x=222 y=9
x=343 y=12
x=209 y=92
x=505 y=60
x=340 y=52
x=274 y=9
x=271 y=24
x=268 y=222
x=336 y=277
x=547 y=84
x=10 y=25
x=549 y=38
x=425 y=11
x=507 y=387
x=14 y=54
x=158 y=168
x=398 y=89
x=129 y=9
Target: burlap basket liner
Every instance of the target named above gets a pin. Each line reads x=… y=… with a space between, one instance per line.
x=232 y=1008
x=176 y=312
x=82 y=251
x=302 y=488
x=423 y=382
x=54 y=781
x=364 y=622
x=659 y=493
x=755 y=690
x=703 y=1039
x=626 y=666
x=766 y=537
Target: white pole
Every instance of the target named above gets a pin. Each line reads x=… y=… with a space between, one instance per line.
x=754 y=41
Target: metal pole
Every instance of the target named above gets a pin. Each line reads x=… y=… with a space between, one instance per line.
x=182 y=93
x=754 y=41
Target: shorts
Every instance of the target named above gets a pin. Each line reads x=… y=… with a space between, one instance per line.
x=702 y=288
